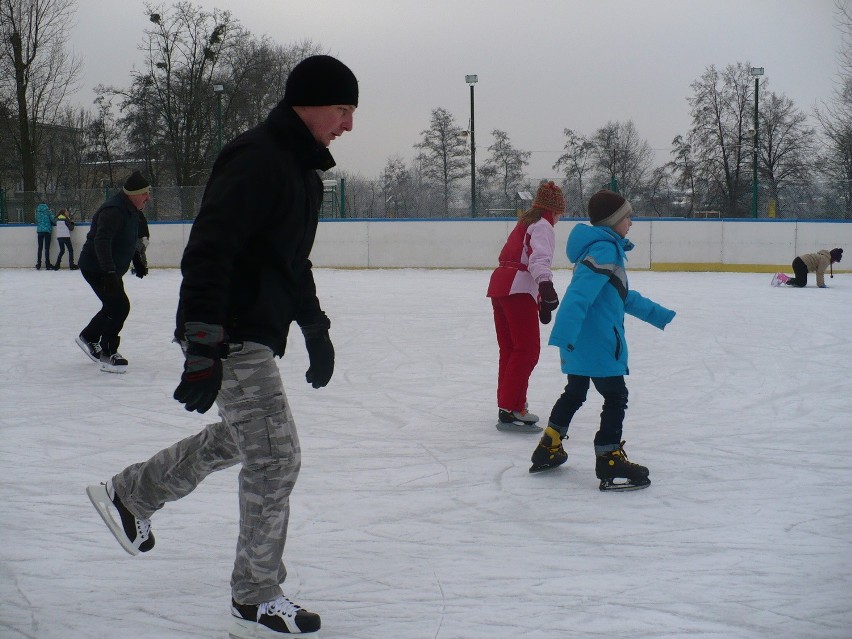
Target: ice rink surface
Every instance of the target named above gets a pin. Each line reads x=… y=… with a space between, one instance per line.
x=413 y=517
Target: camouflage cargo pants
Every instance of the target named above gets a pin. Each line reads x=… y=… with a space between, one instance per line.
x=257 y=431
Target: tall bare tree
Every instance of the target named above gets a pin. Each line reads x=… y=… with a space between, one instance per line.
x=575 y=163
x=443 y=154
x=621 y=155
x=721 y=108
x=786 y=145
x=508 y=164
x=36 y=73
x=835 y=116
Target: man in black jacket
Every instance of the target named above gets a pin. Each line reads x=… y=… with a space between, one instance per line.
x=110 y=247
x=246 y=277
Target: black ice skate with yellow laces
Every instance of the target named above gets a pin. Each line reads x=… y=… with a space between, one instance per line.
x=549 y=452
x=616 y=472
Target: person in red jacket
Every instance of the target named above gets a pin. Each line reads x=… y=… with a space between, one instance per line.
x=522 y=293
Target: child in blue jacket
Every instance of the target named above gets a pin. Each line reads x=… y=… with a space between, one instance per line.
x=589 y=331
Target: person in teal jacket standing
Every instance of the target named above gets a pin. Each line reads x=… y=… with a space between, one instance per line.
x=44 y=227
x=589 y=331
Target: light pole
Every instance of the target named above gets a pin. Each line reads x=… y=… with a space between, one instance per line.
x=756 y=72
x=218 y=89
x=471 y=80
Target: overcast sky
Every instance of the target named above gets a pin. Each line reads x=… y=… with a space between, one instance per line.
x=543 y=66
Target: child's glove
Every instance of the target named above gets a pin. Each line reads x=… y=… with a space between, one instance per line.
x=548 y=301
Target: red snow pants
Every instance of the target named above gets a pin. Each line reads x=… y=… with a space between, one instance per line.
x=516 y=322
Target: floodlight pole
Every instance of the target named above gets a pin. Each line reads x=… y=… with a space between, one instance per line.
x=756 y=72
x=471 y=80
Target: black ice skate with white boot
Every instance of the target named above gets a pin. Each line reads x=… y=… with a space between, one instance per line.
x=134 y=534
x=517 y=421
x=616 y=472
x=271 y=619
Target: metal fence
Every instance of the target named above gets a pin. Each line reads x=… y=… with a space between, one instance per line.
x=812 y=201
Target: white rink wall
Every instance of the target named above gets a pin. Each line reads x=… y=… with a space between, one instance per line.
x=661 y=244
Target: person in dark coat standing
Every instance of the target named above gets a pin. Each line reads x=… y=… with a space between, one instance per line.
x=247 y=277
x=105 y=257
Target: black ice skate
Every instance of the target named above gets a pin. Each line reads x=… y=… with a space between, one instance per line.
x=616 y=472
x=91 y=349
x=132 y=533
x=114 y=363
x=549 y=452
x=277 y=617
x=517 y=421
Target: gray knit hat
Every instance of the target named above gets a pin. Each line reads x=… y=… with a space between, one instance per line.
x=608 y=208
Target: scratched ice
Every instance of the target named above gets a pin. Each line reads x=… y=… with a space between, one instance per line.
x=413 y=516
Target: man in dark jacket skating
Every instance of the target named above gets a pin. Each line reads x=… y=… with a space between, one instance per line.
x=110 y=247
x=246 y=277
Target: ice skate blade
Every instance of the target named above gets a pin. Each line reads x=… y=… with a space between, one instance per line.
x=540 y=469
x=621 y=484
x=109 y=368
x=515 y=427
x=101 y=501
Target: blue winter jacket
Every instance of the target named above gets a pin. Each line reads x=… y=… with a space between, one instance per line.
x=44 y=219
x=589 y=325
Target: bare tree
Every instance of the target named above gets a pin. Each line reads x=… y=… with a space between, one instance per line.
x=397 y=191
x=36 y=73
x=835 y=116
x=443 y=154
x=621 y=156
x=575 y=163
x=106 y=136
x=507 y=165
x=683 y=171
x=721 y=110
x=786 y=144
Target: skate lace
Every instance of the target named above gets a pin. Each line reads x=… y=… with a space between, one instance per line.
x=620 y=453
x=143 y=527
x=280 y=606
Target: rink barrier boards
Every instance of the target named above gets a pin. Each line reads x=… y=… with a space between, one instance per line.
x=661 y=244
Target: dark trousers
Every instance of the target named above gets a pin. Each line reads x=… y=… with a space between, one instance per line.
x=107 y=323
x=65 y=242
x=614 y=391
x=43 y=243
x=801 y=273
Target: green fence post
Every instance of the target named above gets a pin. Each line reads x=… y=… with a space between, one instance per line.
x=342 y=197
x=4 y=212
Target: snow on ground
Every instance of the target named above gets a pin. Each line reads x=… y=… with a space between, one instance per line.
x=413 y=516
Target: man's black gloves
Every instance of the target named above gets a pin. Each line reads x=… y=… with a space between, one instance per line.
x=111 y=283
x=140 y=265
x=202 y=368
x=320 y=354
x=549 y=300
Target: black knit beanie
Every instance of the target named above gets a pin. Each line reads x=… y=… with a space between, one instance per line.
x=836 y=254
x=136 y=184
x=608 y=208
x=321 y=80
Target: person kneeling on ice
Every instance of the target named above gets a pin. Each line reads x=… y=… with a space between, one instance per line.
x=589 y=331
x=814 y=263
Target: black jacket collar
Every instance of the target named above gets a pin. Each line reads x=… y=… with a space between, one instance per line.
x=310 y=154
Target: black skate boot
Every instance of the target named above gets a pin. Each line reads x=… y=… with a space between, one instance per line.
x=132 y=533
x=279 y=616
x=517 y=421
x=616 y=472
x=549 y=452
